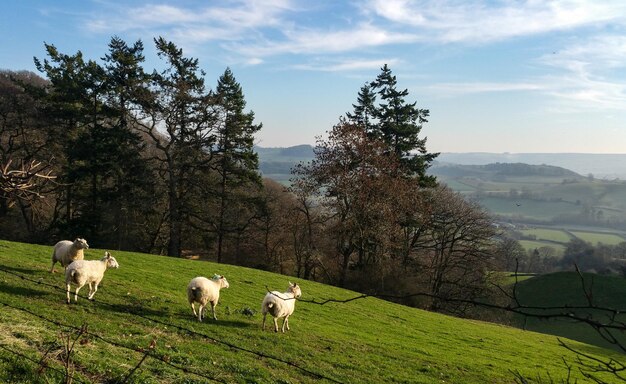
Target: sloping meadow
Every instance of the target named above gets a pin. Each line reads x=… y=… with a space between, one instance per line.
x=140 y=329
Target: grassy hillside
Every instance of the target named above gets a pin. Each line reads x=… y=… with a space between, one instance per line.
x=565 y=288
x=361 y=341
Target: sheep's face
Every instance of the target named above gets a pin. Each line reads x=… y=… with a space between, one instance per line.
x=223 y=282
x=295 y=289
x=81 y=243
x=111 y=262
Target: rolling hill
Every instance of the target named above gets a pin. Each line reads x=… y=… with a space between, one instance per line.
x=565 y=289
x=549 y=190
x=140 y=329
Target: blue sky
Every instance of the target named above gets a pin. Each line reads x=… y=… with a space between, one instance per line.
x=497 y=76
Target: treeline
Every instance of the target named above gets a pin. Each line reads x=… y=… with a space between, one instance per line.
x=603 y=259
x=155 y=161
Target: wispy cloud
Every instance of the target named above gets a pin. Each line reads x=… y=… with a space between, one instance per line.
x=201 y=23
x=588 y=72
x=486 y=21
x=347 y=65
x=456 y=89
x=314 y=41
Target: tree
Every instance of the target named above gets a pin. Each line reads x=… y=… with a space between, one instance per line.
x=27 y=152
x=67 y=102
x=456 y=250
x=365 y=110
x=396 y=122
x=236 y=163
x=178 y=121
x=352 y=178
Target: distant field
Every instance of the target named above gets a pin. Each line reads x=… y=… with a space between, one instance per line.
x=530 y=245
x=530 y=209
x=596 y=238
x=556 y=235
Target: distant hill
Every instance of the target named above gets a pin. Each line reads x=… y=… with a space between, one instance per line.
x=565 y=289
x=603 y=166
x=500 y=170
x=527 y=188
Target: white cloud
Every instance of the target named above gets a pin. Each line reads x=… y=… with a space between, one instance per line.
x=314 y=41
x=347 y=65
x=588 y=72
x=456 y=89
x=482 y=21
x=232 y=19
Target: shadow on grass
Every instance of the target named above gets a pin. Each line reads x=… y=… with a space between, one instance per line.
x=134 y=309
x=22 y=291
x=12 y=269
x=229 y=323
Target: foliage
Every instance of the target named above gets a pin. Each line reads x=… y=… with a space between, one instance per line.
x=396 y=122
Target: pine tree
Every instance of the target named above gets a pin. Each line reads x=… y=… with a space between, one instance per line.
x=236 y=163
x=399 y=124
x=365 y=110
x=180 y=130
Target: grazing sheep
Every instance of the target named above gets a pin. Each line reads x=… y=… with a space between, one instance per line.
x=281 y=305
x=202 y=290
x=66 y=251
x=81 y=272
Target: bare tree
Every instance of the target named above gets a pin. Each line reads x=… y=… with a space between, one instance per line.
x=23 y=182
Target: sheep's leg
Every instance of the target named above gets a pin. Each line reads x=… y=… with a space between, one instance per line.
x=200 y=310
x=193 y=308
x=67 y=289
x=286 y=323
x=264 y=315
x=78 y=287
x=95 y=288
x=52 y=267
x=276 y=324
x=213 y=304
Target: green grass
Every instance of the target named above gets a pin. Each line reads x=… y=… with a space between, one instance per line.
x=529 y=209
x=555 y=235
x=530 y=245
x=565 y=288
x=362 y=341
x=596 y=237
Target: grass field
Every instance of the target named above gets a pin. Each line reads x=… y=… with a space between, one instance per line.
x=596 y=237
x=556 y=235
x=530 y=245
x=361 y=341
x=565 y=288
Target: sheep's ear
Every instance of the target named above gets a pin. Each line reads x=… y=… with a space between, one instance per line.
x=107 y=254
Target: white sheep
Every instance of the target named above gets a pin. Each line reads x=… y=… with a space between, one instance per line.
x=281 y=305
x=202 y=290
x=81 y=272
x=66 y=251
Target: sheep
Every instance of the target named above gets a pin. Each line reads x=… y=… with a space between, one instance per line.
x=66 y=251
x=281 y=305
x=81 y=272
x=202 y=290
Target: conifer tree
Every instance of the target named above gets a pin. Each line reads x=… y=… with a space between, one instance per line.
x=236 y=163
x=396 y=121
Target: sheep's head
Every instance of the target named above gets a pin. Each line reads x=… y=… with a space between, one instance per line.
x=295 y=289
x=81 y=243
x=111 y=262
x=223 y=282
